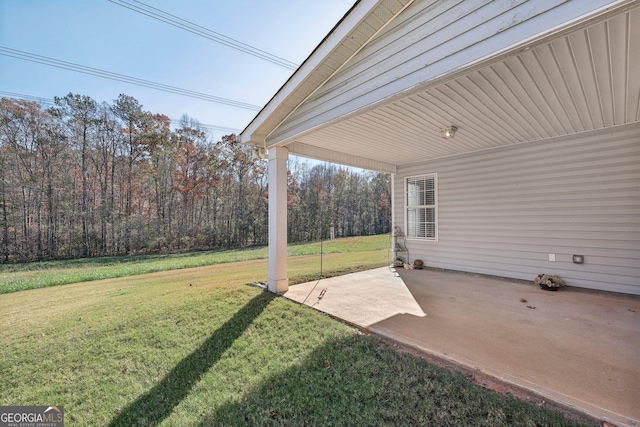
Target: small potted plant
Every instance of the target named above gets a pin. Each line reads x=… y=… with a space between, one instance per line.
x=548 y=282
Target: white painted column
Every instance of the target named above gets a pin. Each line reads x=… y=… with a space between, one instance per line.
x=278 y=280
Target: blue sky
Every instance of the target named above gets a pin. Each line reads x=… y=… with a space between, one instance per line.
x=104 y=35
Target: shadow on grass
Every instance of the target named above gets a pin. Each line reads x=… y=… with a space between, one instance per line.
x=360 y=381
x=158 y=403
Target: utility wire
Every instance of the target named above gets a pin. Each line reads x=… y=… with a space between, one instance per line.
x=41 y=101
x=121 y=77
x=49 y=101
x=213 y=127
x=160 y=15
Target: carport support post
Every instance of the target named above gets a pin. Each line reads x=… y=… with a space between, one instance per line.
x=278 y=281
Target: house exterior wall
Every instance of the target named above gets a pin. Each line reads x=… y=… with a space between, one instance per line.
x=503 y=211
x=427 y=41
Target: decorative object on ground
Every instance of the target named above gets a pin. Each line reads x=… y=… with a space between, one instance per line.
x=418 y=264
x=549 y=283
x=408 y=266
x=399 y=262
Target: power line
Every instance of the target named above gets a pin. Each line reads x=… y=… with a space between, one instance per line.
x=49 y=101
x=201 y=31
x=212 y=127
x=45 y=101
x=121 y=77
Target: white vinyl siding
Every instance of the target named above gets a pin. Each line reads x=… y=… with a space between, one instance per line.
x=503 y=211
x=421 y=207
x=427 y=41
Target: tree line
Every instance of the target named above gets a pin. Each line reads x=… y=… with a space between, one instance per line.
x=86 y=179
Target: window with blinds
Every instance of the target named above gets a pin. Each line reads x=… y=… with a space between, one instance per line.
x=422 y=207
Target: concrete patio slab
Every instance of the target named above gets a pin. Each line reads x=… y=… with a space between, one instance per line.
x=578 y=348
x=360 y=298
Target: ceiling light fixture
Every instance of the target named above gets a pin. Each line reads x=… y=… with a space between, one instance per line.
x=448 y=132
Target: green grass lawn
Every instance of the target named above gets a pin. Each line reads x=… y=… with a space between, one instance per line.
x=17 y=277
x=198 y=347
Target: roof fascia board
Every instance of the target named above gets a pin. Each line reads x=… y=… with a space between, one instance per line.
x=337 y=70
x=310 y=64
x=353 y=18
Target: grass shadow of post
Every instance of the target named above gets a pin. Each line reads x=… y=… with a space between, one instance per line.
x=158 y=403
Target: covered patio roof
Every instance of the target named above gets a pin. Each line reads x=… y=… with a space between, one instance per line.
x=381 y=86
x=564 y=79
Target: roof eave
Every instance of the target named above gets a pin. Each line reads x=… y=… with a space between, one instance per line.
x=264 y=122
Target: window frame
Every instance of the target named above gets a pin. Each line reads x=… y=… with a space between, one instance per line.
x=407 y=207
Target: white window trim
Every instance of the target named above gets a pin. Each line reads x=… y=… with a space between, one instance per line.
x=406 y=207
